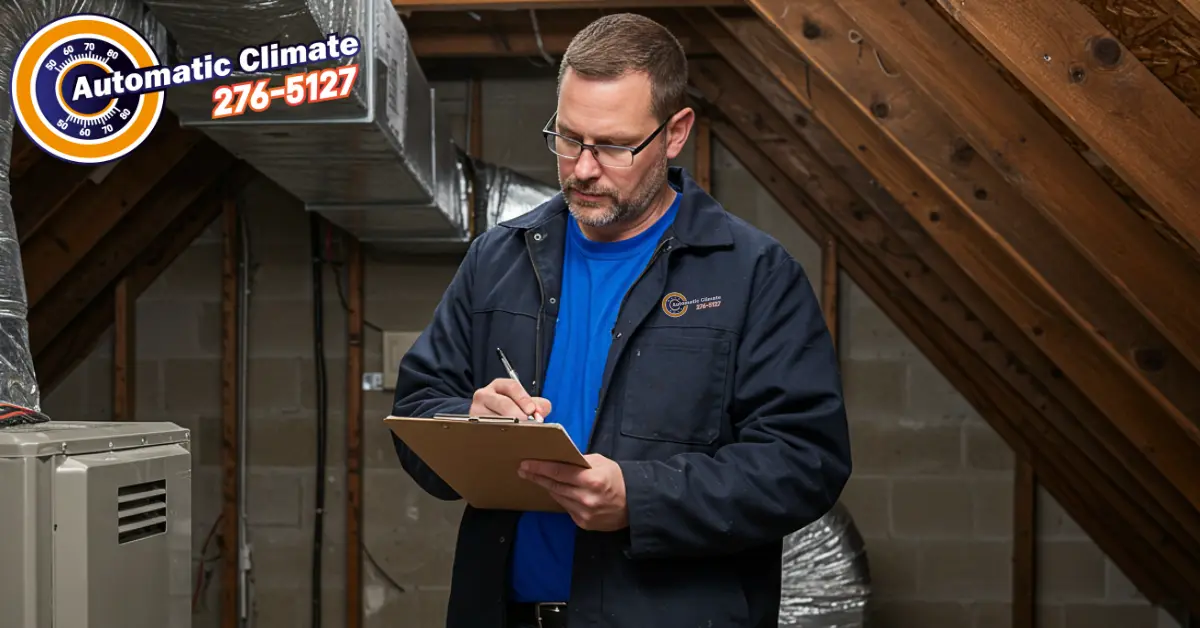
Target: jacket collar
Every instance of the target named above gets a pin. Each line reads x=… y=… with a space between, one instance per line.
x=701 y=220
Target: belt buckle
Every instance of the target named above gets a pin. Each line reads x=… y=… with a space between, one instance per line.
x=557 y=606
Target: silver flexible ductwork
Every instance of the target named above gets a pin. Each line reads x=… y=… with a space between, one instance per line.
x=18 y=21
x=826 y=578
x=380 y=163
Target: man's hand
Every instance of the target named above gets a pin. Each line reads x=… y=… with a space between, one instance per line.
x=595 y=497
x=507 y=397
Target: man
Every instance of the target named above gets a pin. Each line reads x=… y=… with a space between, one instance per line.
x=682 y=350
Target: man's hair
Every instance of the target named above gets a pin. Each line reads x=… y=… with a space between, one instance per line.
x=617 y=44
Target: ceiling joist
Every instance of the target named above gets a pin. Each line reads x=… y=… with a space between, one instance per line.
x=1103 y=92
x=861 y=230
x=1005 y=130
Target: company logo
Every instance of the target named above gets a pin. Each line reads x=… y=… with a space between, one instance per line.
x=676 y=305
x=88 y=88
x=53 y=96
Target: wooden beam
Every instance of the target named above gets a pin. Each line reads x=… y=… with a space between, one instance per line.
x=865 y=94
x=1024 y=563
x=511 y=33
x=1168 y=440
x=40 y=191
x=86 y=217
x=529 y=5
x=354 y=432
x=1014 y=419
x=1039 y=163
x=24 y=154
x=1192 y=6
x=230 y=416
x=703 y=153
x=124 y=351
x=1163 y=36
x=1101 y=90
x=984 y=329
x=829 y=286
x=102 y=263
x=75 y=344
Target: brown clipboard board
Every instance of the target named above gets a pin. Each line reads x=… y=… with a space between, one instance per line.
x=479 y=456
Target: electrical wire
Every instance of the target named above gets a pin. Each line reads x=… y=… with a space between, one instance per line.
x=317 y=232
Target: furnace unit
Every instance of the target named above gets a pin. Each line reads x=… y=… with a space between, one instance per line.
x=95 y=525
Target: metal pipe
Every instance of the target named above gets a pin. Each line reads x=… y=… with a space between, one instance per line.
x=244 y=562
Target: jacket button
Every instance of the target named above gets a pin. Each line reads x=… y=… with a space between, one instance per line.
x=501 y=539
x=553 y=300
x=537 y=237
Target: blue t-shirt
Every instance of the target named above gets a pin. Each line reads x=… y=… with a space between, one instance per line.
x=596 y=276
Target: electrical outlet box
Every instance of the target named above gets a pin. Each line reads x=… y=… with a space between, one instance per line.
x=395 y=345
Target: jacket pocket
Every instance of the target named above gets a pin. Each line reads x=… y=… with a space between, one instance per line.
x=675 y=389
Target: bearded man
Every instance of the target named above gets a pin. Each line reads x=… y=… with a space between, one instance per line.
x=682 y=349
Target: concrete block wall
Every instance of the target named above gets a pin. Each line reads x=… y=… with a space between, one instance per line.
x=932 y=490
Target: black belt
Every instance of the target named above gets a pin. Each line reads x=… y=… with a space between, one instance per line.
x=537 y=615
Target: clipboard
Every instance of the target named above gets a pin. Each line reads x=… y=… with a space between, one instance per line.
x=478 y=456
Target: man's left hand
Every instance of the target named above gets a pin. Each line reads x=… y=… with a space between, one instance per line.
x=595 y=497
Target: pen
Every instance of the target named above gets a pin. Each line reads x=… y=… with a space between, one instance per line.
x=512 y=373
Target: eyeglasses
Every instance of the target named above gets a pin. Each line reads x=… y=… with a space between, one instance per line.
x=605 y=154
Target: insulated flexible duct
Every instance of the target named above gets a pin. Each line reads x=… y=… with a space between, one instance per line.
x=18 y=21
x=826 y=579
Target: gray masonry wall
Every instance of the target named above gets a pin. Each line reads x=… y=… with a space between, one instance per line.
x=932 y=491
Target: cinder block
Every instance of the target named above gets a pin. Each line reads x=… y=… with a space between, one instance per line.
x=407 y=283
x=274 y=386
x=866 y=332
x=993 y=501
x=335 y=389
x=930 y=395
x=98 y=402
x=985 y=449
x=274 y=499
x=192 y=386
x=868 y=498
x=932 y=507
x=1110 y=616
x=194 y=275
x=411 y=534
x=965 y=570
x=1070 y=571
x=384 y=608
x=999 y=615
x=893 y=564
x=913 y=613
x=169 y=329
x=901 y=446
x=875 y=388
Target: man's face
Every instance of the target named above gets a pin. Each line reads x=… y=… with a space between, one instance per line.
x=615 y=112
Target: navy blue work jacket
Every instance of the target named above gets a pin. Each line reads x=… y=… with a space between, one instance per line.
x=721 y=401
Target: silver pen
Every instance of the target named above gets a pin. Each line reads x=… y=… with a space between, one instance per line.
x=512 y=373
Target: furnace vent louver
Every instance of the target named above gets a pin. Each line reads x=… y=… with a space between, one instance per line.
x=141 y=511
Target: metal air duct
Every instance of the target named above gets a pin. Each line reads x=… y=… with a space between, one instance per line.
x=826 y=576
x=380 y=163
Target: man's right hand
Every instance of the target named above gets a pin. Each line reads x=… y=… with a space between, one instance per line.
x=506 y=397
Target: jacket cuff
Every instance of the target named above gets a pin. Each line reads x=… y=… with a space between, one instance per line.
x=642 y=506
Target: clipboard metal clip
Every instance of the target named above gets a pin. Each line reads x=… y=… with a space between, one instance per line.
x=480 y=419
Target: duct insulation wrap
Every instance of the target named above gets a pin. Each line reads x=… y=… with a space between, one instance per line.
x=504 y=193
x=20 y=396
x=826 y=580
x=380 y=163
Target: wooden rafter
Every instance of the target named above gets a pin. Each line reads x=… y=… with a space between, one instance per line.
x=42 y=189
x=882 y=269
x=511 y=33
x=99 y=265
x=979 y=194
x=24 y=154
x=1006 y=282
x=974 y=319
x=1101 y=90
x=84 y=219
x=1004 y=130
x=512 y=5
x=69 y=348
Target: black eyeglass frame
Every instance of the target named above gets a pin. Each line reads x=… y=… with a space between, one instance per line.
x=547 y=133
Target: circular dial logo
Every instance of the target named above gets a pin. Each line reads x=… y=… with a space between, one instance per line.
x=74 y=89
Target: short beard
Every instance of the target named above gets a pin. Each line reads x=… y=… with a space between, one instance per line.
x=622 y=210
